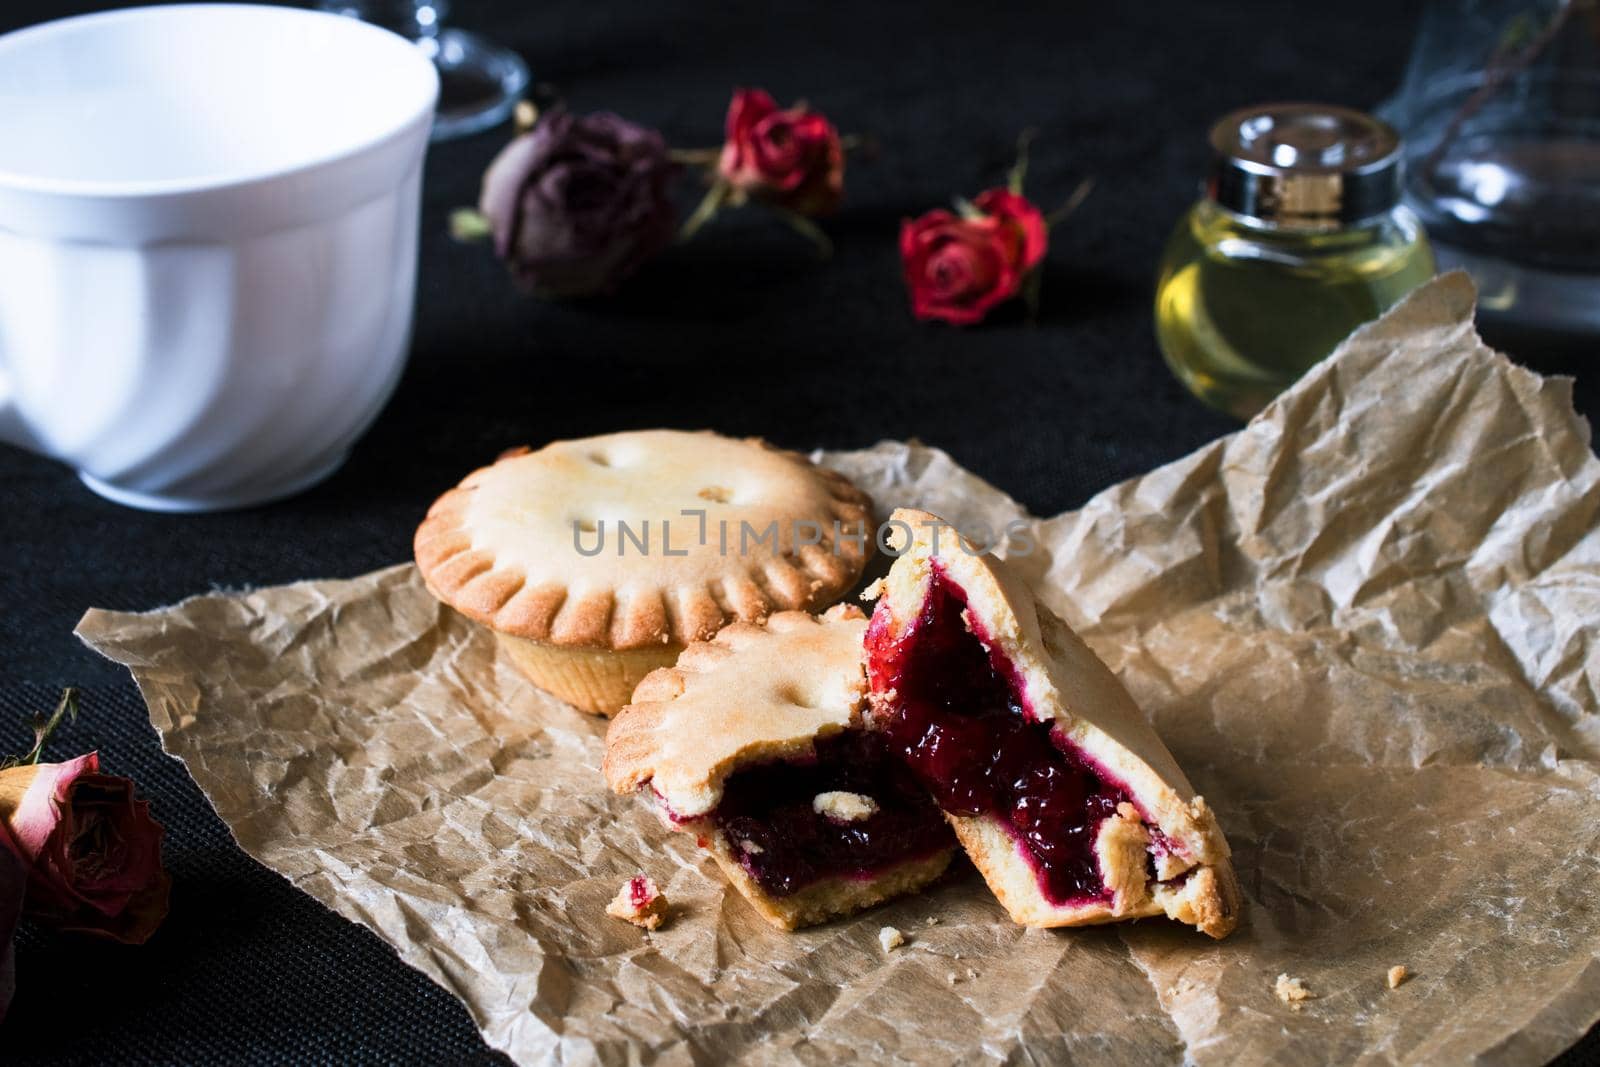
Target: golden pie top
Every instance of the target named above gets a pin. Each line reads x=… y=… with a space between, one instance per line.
x=635 y=539
x=751 y=695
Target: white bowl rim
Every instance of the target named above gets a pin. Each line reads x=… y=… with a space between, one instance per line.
x=125 y=189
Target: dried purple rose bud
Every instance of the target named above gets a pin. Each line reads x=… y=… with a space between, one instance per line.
x=579 y=202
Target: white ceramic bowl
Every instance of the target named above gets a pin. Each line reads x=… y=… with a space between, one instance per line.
x=208 y=244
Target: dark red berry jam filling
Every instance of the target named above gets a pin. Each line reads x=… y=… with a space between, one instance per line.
x=960 y=723
x=770 y=807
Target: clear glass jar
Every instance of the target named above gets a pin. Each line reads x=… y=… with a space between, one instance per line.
x=1499 y=108
x=1281 y=260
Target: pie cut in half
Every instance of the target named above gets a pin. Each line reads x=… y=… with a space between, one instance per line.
x=598 y=560
x=1058 y=788
x=754 y=743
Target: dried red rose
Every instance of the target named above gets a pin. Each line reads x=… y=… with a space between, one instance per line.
x=959 y=267
x=579 y=202
x=791 y=157
x=91 y=849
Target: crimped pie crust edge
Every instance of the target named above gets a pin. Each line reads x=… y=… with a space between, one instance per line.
x=654 y=608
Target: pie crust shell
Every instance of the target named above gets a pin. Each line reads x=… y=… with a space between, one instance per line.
x=829 y=898
x=1065 y=682
x=595 y=680
x=718 y=530
x=752 y=695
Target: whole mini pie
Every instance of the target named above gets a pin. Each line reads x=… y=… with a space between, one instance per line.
x=1058 y=788
x=753 y=743
x=597 y=560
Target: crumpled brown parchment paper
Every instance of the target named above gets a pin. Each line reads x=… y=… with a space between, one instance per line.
x=1366 y=624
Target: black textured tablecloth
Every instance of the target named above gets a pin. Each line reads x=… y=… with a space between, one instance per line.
x=743 y=331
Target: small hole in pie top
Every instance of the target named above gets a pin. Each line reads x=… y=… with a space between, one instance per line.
x=791 y=694
x=716 y=494
x=586 y=525
x=599 y=459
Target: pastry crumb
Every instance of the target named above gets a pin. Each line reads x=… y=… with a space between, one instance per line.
x=931 y=921
x=951 y=978
x=1292 y=990
x=640 y=903
x=873 y=591
x=750 y=848
x=1398 y=974
x=1123 y=847
x=890 y=938
x=840 y=806
x=972 y=975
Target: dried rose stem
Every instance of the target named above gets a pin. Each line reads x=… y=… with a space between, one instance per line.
x=715 y=197
x=1494 y=77
x=1075 y=201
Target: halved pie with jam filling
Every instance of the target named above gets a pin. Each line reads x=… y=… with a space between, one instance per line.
x=753 y=742
x=1058 y=788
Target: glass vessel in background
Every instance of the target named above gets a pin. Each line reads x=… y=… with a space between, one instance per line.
x=1500 y=107
x=1298 y=239
x=480 y=82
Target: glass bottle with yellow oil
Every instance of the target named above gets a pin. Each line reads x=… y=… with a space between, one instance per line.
x=1299 y=239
